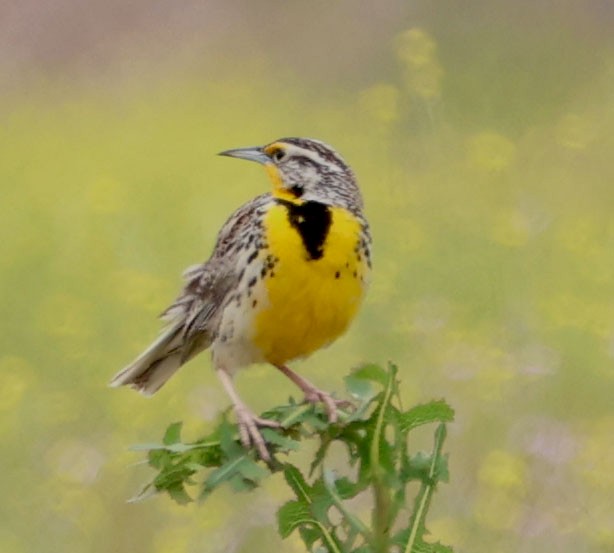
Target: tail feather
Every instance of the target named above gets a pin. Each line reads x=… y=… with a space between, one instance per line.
x=150 y=370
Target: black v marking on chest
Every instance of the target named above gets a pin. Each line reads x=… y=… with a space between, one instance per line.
x=312 y=221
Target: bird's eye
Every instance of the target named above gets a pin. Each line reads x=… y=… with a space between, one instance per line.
x=278 y=155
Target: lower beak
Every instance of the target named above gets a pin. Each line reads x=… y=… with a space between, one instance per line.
x=251 y=154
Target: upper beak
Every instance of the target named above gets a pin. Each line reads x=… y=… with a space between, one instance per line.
x=252 y=154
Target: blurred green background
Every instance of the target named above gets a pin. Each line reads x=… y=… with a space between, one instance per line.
x=482 y=134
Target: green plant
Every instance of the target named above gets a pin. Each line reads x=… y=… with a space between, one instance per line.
x=375 y=436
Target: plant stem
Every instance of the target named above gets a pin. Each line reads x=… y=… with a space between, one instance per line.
x=381 y=495
x=426 y=491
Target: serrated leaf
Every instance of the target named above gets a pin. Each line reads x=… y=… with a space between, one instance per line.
x=320 y=501
x=286 y=444
x=309 y=534
x=291 y=515
x=149 y=490
x=370 y=372
x=297 y=415
x=251 y=470
x=180 y=448
x=434 y=411
x=228 y=440
x=335 y=498
x=360 y=388
x=297 y=482
x=419 y=546
x=347 y=489
x=147 y=447
x=179 y=495
x=222 y=474
x=158 y=458
x=172 y=434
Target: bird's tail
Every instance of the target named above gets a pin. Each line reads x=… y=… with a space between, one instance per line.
x=150 y=370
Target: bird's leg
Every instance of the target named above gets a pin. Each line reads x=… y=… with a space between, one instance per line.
x=247 y=420
x=315 y=395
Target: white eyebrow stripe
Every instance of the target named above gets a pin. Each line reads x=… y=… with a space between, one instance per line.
x=292 y=150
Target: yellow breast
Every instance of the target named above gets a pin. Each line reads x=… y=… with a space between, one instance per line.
x=311 y=301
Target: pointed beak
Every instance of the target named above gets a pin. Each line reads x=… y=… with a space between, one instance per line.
x=251 y=154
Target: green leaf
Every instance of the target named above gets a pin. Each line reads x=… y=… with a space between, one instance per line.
x=416 y=527
x=179 y=495
x=291 y=515
x=370 y=372
x=172 y=434
x=229 y=440
x=434 y=411
x=222 y=474
x=297 y=482
x=335 y=498
x=284 y=443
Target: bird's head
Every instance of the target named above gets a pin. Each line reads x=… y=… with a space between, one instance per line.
x=303 y=169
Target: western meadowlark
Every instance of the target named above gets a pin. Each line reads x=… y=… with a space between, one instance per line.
x=286 y=277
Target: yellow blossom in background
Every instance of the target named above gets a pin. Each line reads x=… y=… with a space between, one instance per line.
x=446 y=530
x=501 y=490
x=106 y=195
x=575 y=132
x=16 y=375
x=173 y=539
x=65 y=316
x=416 y=47
x=503 y=471
x=9 y=541
x=139 y=289
x=511 y=229
x=75 y=461
x=596 y=457
x=580 y=235
x=380 y=101
x=417 y=52
x=490 y=152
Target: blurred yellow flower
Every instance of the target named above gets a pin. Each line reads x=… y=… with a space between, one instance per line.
x=82 y=507
x=173 y=539
x=511 y=229
x=446 y=530
x=417 y=51
x=105 y=195
x=425 y=81
x=575 y=132
x=490 y=152
x=66 y=316
x=74 y=461
x=15 y=377
x=504 y=471
x=502 y=487
x=381 y=102
x=10 y=543
x=580 y=234
x=416 y=47
x=596 y=459
x=497 y=509
x=140 y=289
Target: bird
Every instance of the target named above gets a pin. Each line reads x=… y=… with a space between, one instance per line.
x=287 y=275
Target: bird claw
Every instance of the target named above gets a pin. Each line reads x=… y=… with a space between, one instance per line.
x=249 y=432
x=331 y=404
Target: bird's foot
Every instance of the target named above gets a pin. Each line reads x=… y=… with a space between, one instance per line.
x=331 y=404
x=249 y=432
